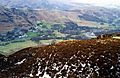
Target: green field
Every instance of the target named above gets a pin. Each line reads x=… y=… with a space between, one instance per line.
x=13 y=47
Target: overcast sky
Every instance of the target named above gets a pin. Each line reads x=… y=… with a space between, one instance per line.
x=99 y=2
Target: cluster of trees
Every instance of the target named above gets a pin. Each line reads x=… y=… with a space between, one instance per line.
x=12 y=35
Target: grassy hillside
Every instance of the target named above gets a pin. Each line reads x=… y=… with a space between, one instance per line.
x=14 y=47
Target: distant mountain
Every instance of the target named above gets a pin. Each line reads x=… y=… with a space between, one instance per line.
x=48 y=4
x=81 y=14
x=36 y=4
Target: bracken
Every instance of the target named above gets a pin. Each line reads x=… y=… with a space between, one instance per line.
x=95 y=58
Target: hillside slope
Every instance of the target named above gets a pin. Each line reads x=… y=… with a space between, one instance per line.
x=16 y=18
x=95 y=58
x=82 y=14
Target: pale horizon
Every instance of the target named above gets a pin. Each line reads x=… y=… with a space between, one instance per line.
x=98 y=2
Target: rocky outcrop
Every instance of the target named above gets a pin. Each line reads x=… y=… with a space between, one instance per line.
x=95 y=58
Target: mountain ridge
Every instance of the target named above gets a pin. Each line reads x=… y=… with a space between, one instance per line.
x=41 y=4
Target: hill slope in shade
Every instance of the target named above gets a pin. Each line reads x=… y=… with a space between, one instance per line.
x=95 y=58
x=84 y=16
x=15 y=18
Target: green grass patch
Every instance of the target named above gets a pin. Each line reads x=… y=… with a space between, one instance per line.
x=32 y=34
x=13 y=47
